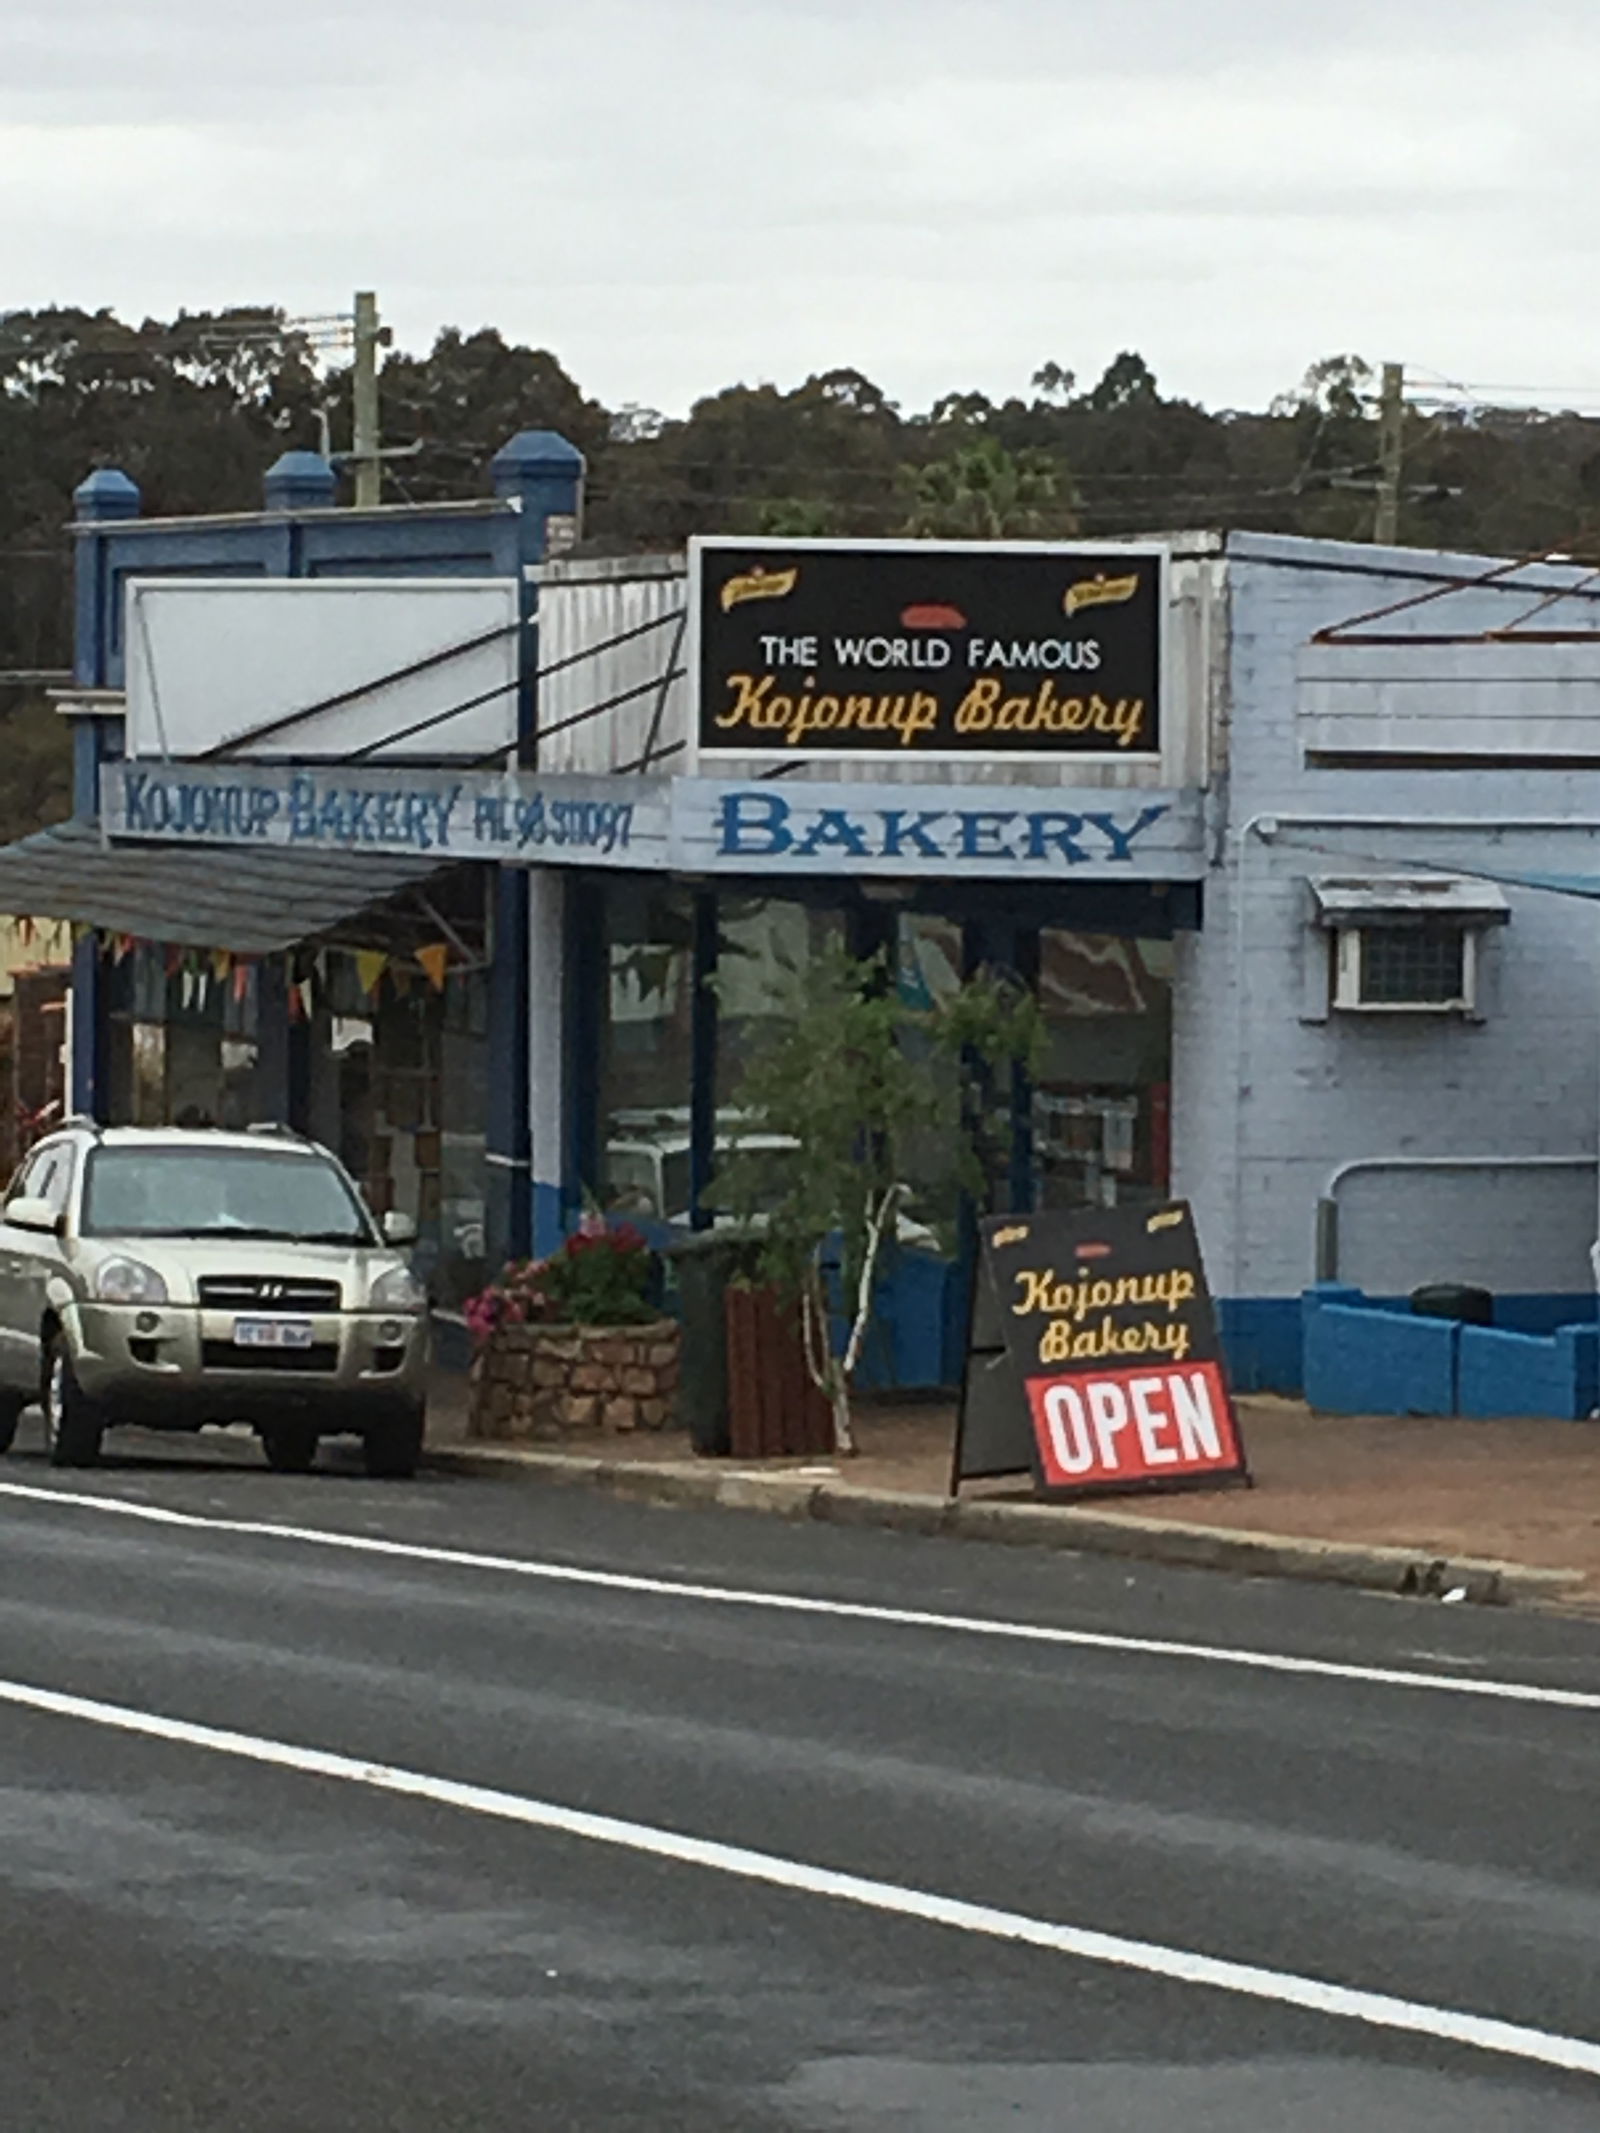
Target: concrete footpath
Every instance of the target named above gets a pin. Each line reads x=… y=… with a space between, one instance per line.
x=1494 y=1512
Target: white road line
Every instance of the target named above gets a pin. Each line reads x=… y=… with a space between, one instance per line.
x=1315 y=1995
x=847 y=1610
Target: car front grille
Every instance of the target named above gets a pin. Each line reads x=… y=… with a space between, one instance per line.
x=268 y=1292
x=228 y=1355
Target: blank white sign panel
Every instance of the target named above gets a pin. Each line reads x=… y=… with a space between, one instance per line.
x=212 y=660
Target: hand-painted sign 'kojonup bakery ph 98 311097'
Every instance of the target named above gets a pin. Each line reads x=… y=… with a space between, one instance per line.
x=865 y=648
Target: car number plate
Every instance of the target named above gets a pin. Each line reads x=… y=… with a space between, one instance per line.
x=272 y=1332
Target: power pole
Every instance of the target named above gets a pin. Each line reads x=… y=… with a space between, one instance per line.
x=366 y=444
x=1391 y=453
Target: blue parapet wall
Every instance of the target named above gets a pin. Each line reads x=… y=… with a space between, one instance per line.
x=1370 y=1356
x=1263 y=1341
x=1363 y=1360
x=1501 y=1373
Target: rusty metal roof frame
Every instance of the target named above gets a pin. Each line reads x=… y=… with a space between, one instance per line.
x=1354 y=631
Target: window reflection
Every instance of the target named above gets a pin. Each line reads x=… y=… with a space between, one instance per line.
x=1101 y=1101
x=929 y=967
x=646 y=1051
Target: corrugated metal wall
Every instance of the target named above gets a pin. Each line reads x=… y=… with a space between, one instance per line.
x=583 y=608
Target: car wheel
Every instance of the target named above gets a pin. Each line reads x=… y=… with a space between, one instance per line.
x=291 y=1447
x=11 y=1406
x=73 y=1425
x=393 y=1445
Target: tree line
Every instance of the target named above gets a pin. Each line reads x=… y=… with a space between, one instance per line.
x=196 y=408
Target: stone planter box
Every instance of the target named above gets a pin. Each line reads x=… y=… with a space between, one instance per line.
x=563 y=1381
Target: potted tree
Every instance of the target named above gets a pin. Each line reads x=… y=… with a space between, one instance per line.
x=837 y=1107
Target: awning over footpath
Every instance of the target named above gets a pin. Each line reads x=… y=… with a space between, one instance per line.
x=252 y=901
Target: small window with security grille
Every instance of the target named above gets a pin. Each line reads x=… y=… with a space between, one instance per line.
x=1395 y=968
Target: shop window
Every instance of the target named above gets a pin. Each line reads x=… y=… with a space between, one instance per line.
x=929 y=966
x=646 y=1050
x=183 y=1039
x=764 y=944
x=399 y=1090
x=1101 y=1097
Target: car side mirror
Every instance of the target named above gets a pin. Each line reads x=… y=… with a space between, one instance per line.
x=29 y=1213
x=398 y=1228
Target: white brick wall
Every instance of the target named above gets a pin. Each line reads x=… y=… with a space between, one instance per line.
x=1267 y=1106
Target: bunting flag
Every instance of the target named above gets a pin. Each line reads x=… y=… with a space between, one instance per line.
x=241 y=980
x=435 y=961
x=221 y=963
x=297 y=1006
x=174 y=960
x=371 y=963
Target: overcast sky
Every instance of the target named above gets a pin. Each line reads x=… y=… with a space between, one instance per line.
x=677 y=194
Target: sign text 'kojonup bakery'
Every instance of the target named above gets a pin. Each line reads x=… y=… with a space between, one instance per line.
x=923 y=649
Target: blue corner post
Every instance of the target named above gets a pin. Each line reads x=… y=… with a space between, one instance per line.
x=540 y=476
x=107 y=498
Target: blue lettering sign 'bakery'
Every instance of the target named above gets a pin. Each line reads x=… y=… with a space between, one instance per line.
x=772 y=826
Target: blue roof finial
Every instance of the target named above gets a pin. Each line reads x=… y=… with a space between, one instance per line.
x=533 y=457
x=300 y=481
x=107 y=493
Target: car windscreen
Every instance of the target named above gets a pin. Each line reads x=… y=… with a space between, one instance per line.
x=220 y=1192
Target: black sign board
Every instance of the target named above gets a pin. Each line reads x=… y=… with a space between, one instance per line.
x=923 y=649
x=1093 y=1361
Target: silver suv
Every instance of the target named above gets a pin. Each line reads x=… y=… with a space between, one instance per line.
x=171 y=1277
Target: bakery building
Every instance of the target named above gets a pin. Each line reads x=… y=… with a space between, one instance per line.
x=398 y=824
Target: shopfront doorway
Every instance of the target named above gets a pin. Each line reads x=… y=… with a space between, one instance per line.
x=676 y=979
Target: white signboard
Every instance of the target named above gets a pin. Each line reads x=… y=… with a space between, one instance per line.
x=694 y=825
x=278 y=669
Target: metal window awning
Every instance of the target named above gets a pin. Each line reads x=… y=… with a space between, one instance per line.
x=1406 y=900
x=252 y=901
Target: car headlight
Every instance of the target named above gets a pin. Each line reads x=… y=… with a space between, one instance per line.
x=128 y=1281
x=397 y=1289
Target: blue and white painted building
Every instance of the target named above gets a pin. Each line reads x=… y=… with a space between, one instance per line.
x=411 y=817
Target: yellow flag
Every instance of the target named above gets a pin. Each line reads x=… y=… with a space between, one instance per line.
x=371 y=963
x=435 y=961
x=221 y=962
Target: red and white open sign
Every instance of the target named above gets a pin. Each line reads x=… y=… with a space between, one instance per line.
x=1093 y=1361
x=1164 y=1423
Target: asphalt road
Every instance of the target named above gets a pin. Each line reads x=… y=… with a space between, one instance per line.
x=303 y=1833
